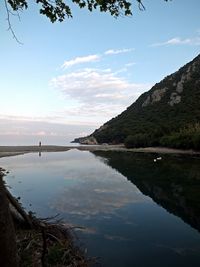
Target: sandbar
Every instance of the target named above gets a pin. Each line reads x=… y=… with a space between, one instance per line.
x=6 y=151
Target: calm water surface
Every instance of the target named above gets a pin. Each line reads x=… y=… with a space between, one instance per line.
x=135 y=212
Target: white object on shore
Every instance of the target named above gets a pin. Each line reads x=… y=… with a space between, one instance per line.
x=159 y=158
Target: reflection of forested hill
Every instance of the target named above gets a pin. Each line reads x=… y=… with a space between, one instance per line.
x=173 y=182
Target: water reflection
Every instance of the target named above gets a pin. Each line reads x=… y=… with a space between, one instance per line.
x=173 y=183
x=110 y=194
x=96 y=190
x=72 y=182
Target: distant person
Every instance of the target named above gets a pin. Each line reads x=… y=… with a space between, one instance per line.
x=40 y=144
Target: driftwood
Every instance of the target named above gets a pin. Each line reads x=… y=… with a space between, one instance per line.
x=8 y=249
x=19 y=209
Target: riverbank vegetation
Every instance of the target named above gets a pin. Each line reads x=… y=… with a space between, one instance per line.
x=185 y=138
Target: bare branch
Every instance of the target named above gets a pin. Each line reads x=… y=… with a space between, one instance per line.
x=140 y=5
x=10 y=28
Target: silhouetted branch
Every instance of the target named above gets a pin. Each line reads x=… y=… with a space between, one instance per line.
x=140 y=5
x=18 y=207
x=10 y=28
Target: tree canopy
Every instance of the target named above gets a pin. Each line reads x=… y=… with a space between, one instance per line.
x=58 y=10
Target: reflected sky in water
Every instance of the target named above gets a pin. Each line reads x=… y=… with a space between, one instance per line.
x=123 y=227
x=73 y=182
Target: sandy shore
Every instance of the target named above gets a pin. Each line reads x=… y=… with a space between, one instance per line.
x=6 y=151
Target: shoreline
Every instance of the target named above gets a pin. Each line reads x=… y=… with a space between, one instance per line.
x=6 y=151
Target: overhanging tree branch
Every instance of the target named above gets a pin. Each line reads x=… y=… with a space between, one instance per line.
x=58 y=10
x=10 y=28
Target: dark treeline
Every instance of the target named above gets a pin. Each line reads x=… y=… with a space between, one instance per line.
x=186 y=138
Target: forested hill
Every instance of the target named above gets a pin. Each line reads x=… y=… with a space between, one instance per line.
x=168 y=114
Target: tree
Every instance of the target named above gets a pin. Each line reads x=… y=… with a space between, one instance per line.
x=58 y=10
x=8 y=247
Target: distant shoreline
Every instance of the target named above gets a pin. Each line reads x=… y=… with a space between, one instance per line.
x=6 y=151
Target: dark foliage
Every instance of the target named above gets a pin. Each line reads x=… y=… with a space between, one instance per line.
x=58 y=10
x=137 y=140
x=186 y=138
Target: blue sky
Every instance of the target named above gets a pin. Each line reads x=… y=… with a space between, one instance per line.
x=69 y=78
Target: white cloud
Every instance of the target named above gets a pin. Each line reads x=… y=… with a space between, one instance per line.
x=101 y=94
x=180 y=41
x=96 y=95
x=80 y=60
x=93 y=58
x=95 y=86
x=118 y=51
x=130 y=64
x=57 y=120
x=100 y=112
x=17 y=131
x=42 y=133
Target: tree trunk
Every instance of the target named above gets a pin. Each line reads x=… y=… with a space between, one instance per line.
x=8 y=249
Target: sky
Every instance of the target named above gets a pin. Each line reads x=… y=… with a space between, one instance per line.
x=69 y=78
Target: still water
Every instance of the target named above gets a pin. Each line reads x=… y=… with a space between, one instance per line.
x=135 y=212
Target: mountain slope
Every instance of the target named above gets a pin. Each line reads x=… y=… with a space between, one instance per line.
x=169 y=107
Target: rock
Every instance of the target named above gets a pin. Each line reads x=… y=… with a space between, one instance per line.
x=179 y=87
x=147 y=101
x=174 y=99
x=156 y=96
x=89 y=140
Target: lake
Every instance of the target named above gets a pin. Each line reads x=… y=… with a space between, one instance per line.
x=135 y=212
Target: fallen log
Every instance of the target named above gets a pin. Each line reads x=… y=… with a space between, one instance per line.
x=19 y=208
x=8 y=249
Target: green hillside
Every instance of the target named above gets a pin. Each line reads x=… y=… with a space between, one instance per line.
x=166 y=115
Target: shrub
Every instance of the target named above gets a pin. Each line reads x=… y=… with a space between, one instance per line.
x=186 y=138
x=137 y=140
